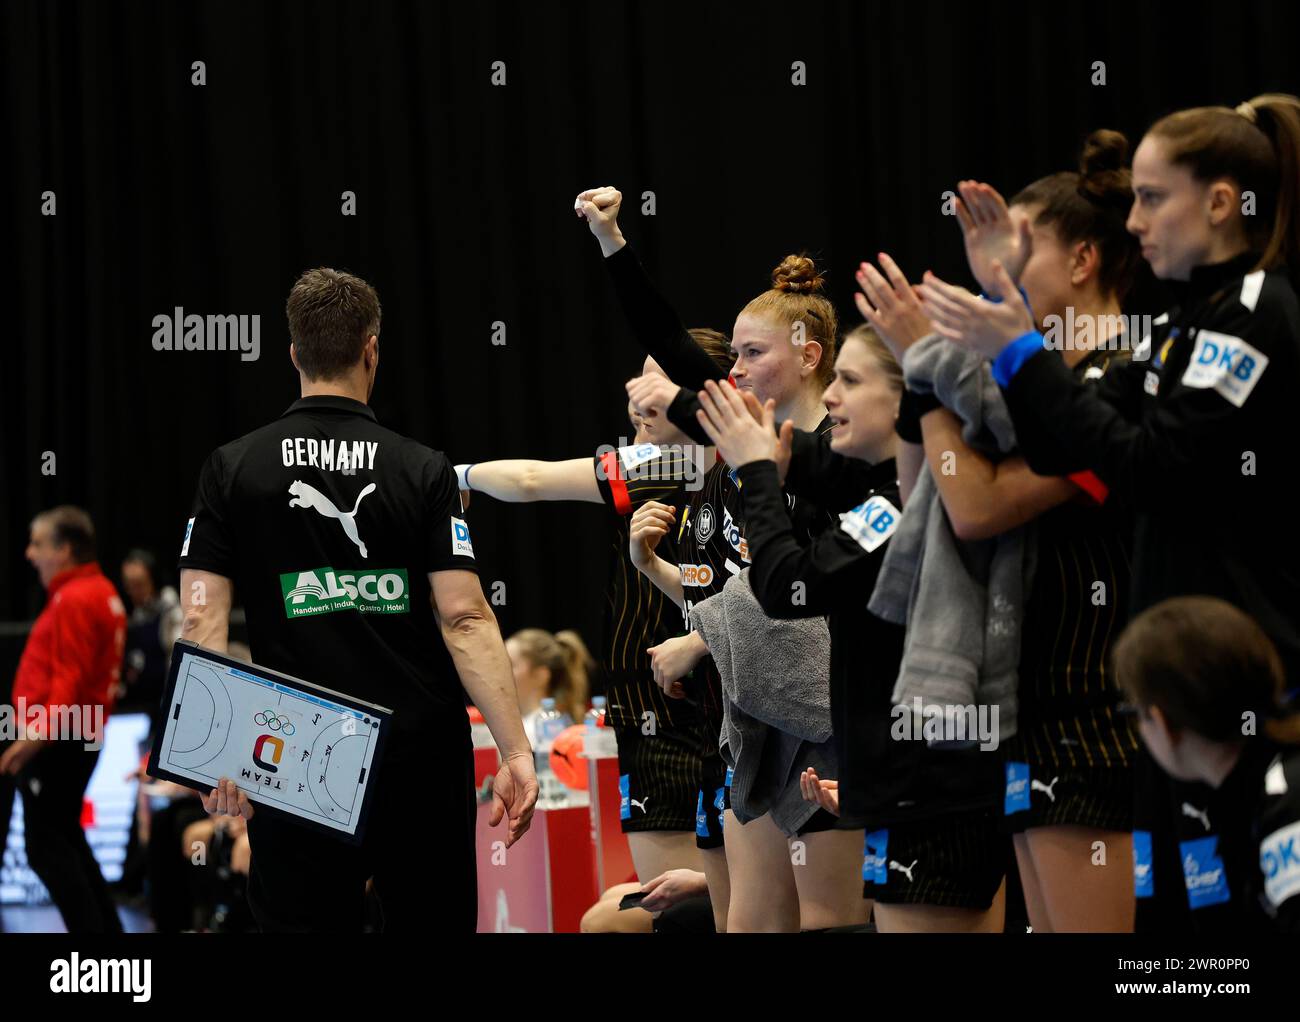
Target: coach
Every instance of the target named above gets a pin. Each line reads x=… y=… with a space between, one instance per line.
x=281 y=515
x=65 y=682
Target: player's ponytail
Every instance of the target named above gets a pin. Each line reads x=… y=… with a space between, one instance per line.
x=1257 y=145
x=1278 y=116
x=566 y=658
x=577 y=665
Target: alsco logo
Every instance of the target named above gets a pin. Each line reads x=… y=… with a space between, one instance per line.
x=325 y=591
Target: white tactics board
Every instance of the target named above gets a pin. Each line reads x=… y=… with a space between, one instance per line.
x=285 y=745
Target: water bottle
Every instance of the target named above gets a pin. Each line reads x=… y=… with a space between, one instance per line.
x=542 y=737
x=550 y=722
x=595 y=739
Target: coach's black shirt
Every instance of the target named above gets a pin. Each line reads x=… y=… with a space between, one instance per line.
x=329 y=525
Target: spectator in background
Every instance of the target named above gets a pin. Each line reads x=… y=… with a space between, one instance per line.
x=556 y=666
x=152 y=628
x=72 y=658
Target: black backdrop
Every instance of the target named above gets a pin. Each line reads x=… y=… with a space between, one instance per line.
x=215 y=197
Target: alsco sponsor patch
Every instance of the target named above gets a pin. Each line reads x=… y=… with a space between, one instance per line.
x=326 y=591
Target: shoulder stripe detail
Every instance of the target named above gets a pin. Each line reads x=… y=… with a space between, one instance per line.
x=617 y=484
x=1251 y=285
x=1091 y=485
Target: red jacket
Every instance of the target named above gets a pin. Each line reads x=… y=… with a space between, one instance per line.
x=73 y=656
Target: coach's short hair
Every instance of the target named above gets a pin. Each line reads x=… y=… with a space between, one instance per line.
x=331 y=316
x=73 y=526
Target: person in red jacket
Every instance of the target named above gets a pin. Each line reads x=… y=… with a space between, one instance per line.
x=62 y=692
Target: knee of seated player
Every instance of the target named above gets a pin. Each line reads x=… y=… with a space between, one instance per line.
x=604 y=916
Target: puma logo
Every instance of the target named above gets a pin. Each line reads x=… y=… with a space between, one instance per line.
x=894 y=864
x=640 y=805
x=1047 y=788
x=308 y=496
x=1197 y=814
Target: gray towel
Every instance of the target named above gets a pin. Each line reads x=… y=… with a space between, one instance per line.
x=776 y=692
x=962 y=602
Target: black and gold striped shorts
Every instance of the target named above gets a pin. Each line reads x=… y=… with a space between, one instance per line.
x=658 y=779
x=1097 y=797
x=958 y=861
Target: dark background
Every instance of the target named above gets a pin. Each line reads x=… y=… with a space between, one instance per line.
x=214 y=198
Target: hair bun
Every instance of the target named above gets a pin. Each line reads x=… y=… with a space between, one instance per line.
x=1103 y=176
x=1104 y=150
x=797 y=274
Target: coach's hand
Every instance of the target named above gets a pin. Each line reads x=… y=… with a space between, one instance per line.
x=599 y=207
x=514 y=793
x=227 y=799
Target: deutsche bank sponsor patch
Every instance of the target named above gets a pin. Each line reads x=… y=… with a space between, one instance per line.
x=1279 y=859
x=871 y=523
x=631 y=457
x=1225 y=363
x=460 y=542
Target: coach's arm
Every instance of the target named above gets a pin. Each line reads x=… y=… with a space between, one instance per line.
x=470 y=631
x=206 y=598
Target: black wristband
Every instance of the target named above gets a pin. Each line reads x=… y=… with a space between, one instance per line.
x=910 y=410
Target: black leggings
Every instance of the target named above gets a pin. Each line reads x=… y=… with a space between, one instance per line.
x=53 y=786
